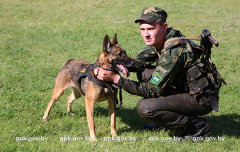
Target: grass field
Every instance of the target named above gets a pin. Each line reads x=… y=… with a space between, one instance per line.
x=38 y=37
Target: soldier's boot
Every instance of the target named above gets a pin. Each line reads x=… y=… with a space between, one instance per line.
x=151 y=127
x=196 y=127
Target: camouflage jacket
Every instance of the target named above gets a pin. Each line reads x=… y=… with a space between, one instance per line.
x=172 y=62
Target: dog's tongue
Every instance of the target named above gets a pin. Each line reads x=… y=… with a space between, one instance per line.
x=124 y=70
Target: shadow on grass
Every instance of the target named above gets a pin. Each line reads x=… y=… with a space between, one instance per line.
x=128 y=116
x=223 y=125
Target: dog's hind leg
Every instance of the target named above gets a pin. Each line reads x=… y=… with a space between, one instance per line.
x=112 y=114
x=62 y=82
x=57 y=92
x=75 y=95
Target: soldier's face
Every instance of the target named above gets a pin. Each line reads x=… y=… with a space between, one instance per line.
x=152 y=33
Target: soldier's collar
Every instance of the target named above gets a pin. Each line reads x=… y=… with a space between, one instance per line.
x=173 y=33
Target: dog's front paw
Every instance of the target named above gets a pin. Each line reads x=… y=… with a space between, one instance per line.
x=93 y=139
x=44 y=120
x=70 y=113
x=114 y=135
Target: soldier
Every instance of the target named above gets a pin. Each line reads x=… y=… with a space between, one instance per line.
x=169 y=98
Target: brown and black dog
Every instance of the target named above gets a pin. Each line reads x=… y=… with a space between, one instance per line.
x=112 y=55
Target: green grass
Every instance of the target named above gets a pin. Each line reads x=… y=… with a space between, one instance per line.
x=38 y=37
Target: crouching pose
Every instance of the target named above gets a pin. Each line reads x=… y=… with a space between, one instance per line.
x=184 y=84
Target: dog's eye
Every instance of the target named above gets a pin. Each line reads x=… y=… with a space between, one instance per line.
x=120 y=54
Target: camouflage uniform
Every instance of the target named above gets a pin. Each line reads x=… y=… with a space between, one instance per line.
x=165 y=101
x=172 y=62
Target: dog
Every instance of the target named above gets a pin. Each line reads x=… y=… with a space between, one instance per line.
x=115 y=57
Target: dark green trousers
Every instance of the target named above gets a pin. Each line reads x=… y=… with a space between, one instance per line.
x=173 y=108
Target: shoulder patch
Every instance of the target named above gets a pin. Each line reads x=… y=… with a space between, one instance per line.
x=156 y=79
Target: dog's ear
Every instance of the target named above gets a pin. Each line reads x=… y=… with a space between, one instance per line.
x=114 y=41
x=107 y=44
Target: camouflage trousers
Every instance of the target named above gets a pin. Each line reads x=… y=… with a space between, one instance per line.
x=173 y=108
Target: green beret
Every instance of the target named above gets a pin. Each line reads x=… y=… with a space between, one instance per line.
x=151 y=14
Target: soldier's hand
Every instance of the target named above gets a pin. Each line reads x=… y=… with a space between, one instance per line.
x=108 y=76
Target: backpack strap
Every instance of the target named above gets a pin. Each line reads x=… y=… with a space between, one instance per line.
x=177 y=41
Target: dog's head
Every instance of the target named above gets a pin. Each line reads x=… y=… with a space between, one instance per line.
x=115 y=56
